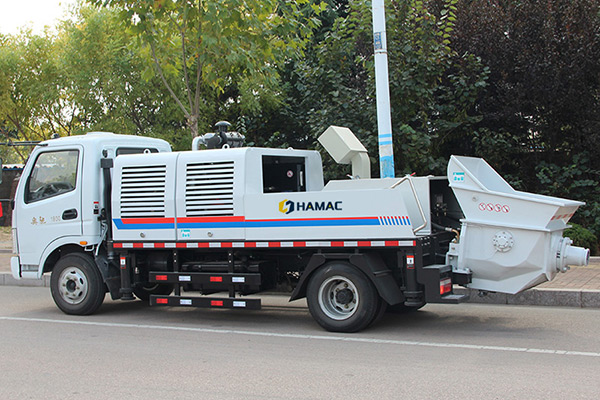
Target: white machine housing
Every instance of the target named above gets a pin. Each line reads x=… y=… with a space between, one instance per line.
x=225 y=194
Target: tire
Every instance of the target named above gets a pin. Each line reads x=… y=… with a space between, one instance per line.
x=381 y=310
x=143 y=292
x=341 y=298
x=76 y=285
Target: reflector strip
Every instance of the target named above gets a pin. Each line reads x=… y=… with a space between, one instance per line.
x=268 y=244
x=445 y=286
x=216 y=279
x=238 y=279
x=185 y=278
x=185 y=302
x=239 y=304
x=161 y=277
x=216 y=303
x=162 y=301
x=562 y=216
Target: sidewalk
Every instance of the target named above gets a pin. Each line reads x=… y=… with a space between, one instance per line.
x=579 y=287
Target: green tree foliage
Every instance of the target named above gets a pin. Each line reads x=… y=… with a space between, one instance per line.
x=102 y=68
x=540 y=110
x=31 y=100
x=204 y=49
x=433 y=88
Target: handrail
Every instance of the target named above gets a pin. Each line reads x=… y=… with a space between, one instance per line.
x=412 y=187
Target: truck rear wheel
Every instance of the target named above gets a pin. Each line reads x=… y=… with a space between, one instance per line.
x=341 y=298
x=76 y=285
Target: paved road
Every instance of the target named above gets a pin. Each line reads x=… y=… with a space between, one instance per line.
x=129 y=350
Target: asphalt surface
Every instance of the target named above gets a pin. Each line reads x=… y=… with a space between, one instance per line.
x=129 y=350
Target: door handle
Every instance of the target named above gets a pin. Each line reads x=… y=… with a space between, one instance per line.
x=69 y=214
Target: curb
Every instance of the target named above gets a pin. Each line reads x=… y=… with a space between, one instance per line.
x=6 y=279
x=533 y=297
x=538 y=297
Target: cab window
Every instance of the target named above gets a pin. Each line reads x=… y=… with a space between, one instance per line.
x=54 y=173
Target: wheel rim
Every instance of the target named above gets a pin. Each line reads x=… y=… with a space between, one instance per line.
x=338 y=298
x=72 y=285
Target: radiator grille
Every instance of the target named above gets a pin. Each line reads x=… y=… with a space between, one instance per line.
x=143 y=191
x=209 y=189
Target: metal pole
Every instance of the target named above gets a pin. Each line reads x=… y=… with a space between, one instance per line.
x=382 y=87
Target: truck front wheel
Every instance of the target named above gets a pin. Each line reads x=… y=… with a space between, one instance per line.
x=341 y=298
x=76 y=285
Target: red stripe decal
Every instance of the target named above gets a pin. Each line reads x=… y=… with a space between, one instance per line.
x=118 y=245
x=210 y=219
x=364 y=243
x=249 y=244
x=226 y=244
x=391 y=243
x=299 y=244
x=274 y=244
x=159 y=245
x=310 y=219
x=148 y=220
x=138 y=245
x=337 y=244
x=181 y=245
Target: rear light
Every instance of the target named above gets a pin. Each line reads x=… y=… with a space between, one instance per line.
x=216 y=303
x=216 y=279
x=162 y=301
x=445 y=286
x=161 y=277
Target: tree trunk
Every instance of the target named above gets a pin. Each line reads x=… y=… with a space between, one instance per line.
x=192 y=121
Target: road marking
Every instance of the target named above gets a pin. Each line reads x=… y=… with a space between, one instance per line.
x=351 y=339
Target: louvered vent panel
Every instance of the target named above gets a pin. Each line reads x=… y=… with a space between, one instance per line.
x=209 y=189
x=143 y=191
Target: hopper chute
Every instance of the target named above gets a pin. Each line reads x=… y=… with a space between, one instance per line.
x=510 y=240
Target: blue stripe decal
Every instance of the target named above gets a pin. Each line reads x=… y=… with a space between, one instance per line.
x=232 y=224
x=120 y=225
x=344 y=222
x=280 y=223
x=253 y=224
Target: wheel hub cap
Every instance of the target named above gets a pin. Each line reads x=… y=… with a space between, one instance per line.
x=338 y=298
x=73 y=285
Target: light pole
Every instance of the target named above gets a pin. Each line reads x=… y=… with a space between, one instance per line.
x=382 y=90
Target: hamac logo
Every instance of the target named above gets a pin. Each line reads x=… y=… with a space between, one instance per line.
x=286 y=206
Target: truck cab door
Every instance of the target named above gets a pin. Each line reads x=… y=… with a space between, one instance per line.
x=48 y=202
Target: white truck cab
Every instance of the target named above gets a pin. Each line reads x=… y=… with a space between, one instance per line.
x=58 y=202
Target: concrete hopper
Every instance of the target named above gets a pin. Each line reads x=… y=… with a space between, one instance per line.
x=510 y=240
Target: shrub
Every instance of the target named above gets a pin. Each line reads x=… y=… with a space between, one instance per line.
x=582 y=237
